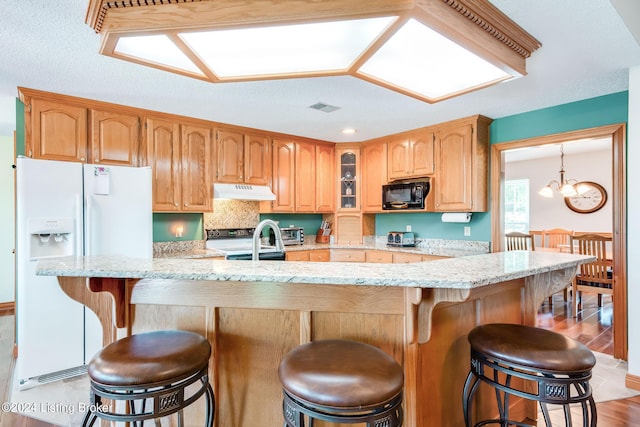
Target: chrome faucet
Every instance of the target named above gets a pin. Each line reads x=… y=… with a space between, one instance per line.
x=258 y=233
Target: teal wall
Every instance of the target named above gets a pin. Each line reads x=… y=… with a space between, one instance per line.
x=164 y=226
x=310 y=222
x=430 y=225
x=589 y=113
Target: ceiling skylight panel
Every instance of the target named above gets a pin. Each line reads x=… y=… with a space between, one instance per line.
x=300 y=48
x=420 y=60
x=156 y=49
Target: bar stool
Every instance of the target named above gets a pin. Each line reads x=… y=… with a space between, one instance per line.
x=554 y=370
x=341 y=381
x=154 y=369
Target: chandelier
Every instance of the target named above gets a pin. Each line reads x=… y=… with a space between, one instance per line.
x=566 y=187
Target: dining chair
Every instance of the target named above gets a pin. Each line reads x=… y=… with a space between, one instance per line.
x=557 y=238
x=596 y=276
x=517 y=241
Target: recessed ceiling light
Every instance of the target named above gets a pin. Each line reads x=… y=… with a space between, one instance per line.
x=349 y=131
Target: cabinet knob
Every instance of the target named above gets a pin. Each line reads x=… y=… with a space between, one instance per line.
x=186 y=204
x=97 y=161
x=82 y=159
x=176 y=204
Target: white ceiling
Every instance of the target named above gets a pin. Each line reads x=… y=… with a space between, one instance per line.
x=586 y=52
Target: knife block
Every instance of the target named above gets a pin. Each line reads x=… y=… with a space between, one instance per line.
x=322 y=236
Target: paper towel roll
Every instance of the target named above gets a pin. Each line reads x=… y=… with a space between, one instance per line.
x=456 y=217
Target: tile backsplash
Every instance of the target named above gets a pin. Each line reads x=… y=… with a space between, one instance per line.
x=233 y=214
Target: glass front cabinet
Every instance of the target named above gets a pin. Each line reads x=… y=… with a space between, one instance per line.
x=349 y=184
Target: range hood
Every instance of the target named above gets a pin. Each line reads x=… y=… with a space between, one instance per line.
x=242 y=192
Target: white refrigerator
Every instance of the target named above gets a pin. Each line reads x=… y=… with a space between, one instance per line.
x=70 y=209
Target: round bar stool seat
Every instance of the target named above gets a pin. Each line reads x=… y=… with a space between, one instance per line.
x=553 y=368
x=341 y=381
x=153 y=367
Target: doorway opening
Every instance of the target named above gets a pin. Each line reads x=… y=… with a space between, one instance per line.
x=617 y=135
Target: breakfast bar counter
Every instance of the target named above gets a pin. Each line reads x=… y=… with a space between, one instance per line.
x=254 y=312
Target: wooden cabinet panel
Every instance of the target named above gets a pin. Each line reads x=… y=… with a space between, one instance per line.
x=453 y=153
x=115 y=138
x=325 y=178
x=405 y=258
x=305 y=177
x=378 y=256
x=411 y=155
x=163 y=145
x=399 y=153
x=348 y=255
x=257 y=159
x=242 y=158
x=229 y=156
x=283 y=176
x=461 y=151
x=197 y=185
x=374 y=176
x=423 y=162
x=320 y=255
x=313 y=255
x=58 y=131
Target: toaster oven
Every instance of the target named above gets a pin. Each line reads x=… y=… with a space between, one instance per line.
x=290 y=236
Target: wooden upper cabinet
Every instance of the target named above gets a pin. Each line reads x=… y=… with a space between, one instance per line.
x=57 y=131
x=305 y=177
x=197 y=186
x=325 y=178
x=374 y=176
x=461 y=154
x=257 y=159
x=230 y=156
x=115 y=138
x=163 y=145
x=284 y=161
x=242 y=158
x=411 y=156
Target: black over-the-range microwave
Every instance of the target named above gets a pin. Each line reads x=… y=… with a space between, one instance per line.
x=405 y=195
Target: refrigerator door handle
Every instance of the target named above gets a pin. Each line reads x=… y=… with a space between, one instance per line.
x=87 y=226
x=79 y=231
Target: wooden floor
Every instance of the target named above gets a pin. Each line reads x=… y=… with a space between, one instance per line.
x=592 y=327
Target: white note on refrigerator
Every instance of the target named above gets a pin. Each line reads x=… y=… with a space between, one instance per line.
x=100 y=180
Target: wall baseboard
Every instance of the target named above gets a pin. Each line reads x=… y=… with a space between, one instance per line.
x=632 y=381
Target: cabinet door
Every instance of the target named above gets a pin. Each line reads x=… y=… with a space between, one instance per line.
x=115 y=138
x=378 y=256
x=297 y=256
x=374 y=176
x=348 y=255
x=230 y=156
x=305 y=172
x=319 y=255
x=348 y=160
x=197 y=186
x=325 y=178
x=163 y=144
x=399 y=155
x=453 y=186
x=283 y=176
x=58 y=131
x=422 y=155
x=257 y=159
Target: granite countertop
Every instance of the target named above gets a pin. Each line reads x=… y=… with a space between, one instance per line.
x=438 y=247
x=456 y=273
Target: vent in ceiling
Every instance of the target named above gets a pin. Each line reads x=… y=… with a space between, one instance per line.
x=321 y=106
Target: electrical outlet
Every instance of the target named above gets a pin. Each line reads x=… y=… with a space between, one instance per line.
x=408 y=228
x=467 y=231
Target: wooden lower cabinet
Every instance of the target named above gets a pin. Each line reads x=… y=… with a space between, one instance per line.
x=378 y=256
x=314 y=255
x=348 y=255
